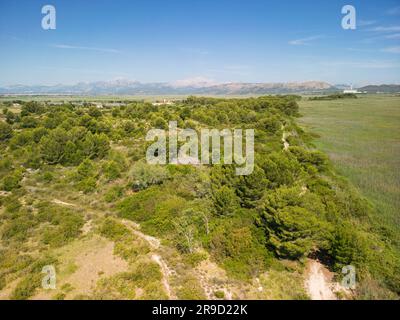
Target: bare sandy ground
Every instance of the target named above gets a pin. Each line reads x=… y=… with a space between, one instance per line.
x=319 y=282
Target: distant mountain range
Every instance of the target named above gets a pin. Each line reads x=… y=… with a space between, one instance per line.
x=125 y=87
x=384 y=88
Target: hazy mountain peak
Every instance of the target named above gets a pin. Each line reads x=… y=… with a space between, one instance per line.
x=196 y=82
x=197 y=85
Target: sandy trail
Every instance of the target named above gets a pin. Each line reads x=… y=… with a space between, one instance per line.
x=207 y=272
x=319 y=282
x=166 y=273
x=285 y=143
x=285 y=135
x=154 y=244
x=63 y=203
x=133 y=227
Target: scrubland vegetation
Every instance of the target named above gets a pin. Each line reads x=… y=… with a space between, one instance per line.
x=70 y=173
x=335 y=96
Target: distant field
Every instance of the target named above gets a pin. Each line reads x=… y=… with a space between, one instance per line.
x=61 y=98
x=362 y=137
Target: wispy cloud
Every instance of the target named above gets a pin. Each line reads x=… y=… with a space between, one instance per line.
x=385 y=29
x=393 y=11
x=368 y=64
x=381 y=34
x=304 y=41
x=391 y=49
x=364 y=23
x=66 y=46
x=393 y=36
x=237 y=67
x=360 y=50
x=197 y=51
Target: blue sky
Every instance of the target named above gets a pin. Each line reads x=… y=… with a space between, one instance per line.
x=218 y=40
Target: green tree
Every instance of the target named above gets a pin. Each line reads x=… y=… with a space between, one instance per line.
x=251 y=188
x=52 y=146
x=12 y=180
x=144 y=175
x=11 y=117
x=160 y=123
x=5 y=131
x=38 y=133
x=292 y=230
x=31 y=107
x=281 y=169
x=29 y=122
x=94 y=112
x=347 y=247
x=225 y=201
x=95 y=145
x=269 y=124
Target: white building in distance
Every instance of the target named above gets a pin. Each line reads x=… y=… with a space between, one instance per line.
x=351 y=90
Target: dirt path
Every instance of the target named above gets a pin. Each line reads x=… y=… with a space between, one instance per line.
x=152 y=241
x=208 y=272
x=285 y=135
x=285 y=143
x=319 y=283
x=63 y=203
x=166 y=273
x=154 y=244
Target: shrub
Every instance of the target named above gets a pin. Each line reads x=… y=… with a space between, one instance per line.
x=87 y=185
x=5 y=131
x=310 y=158
x=115 y=193
x=95 y=145
x=12 y=181
x=32 y=107
x=21 y=139
x=270 y=124
x=155 y=209
x=225 y=201
x=2 y=282
x=52 y=146
x=113 y=230
x=160 y=123
x=29 y=122
x=19 y=227
x=38 y=133
x=237 y=246
x=28 y=285
x=94 y=112
x=144 y=175
x=111 y=170
x=65 y=224
x=281 y=169
x=251 y=188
